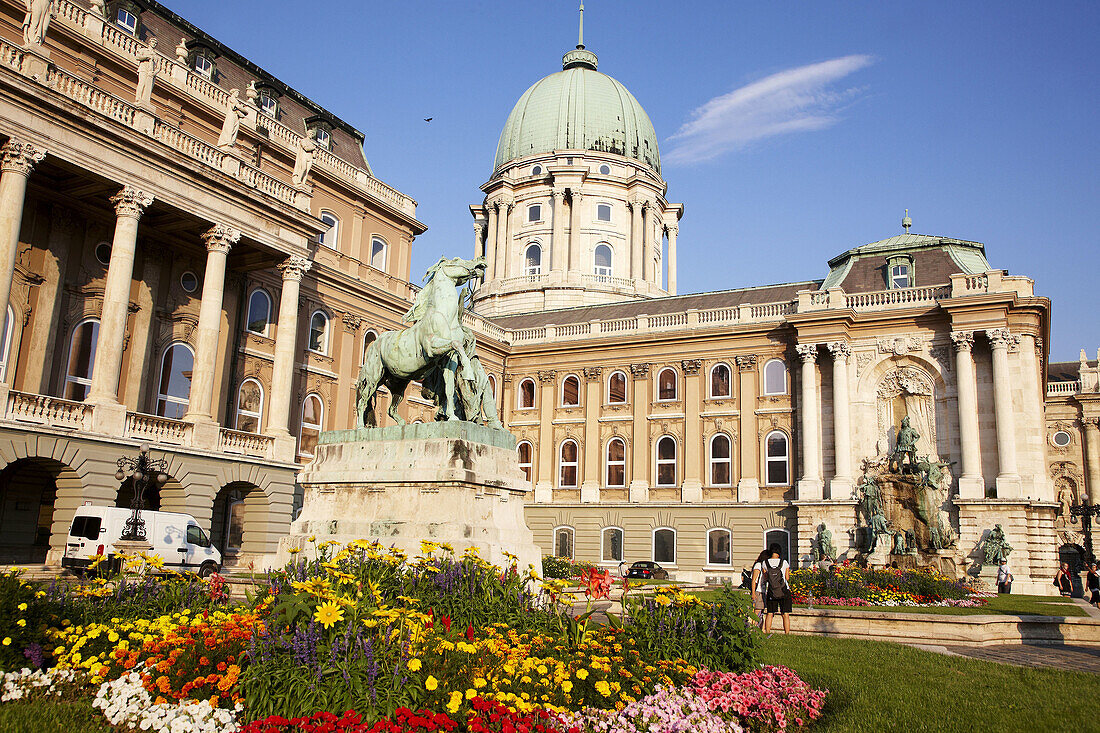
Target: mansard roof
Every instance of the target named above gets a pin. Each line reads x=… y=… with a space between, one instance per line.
x=935 y=259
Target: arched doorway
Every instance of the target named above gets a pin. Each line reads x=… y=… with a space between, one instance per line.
x=28 y=492
x=236 y=524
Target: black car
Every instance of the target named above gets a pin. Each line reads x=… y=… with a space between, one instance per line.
x=647 y=570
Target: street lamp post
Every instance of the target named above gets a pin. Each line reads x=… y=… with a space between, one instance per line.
x=145 y=472
x=1086 y=511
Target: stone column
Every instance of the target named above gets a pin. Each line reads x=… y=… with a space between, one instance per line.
x=748 y=485
x=672 y=232
x=572 y=257
x=647 y=243
x=1092 y=459
x=130 y=203
x=17 y=160
x=1008 y=479
x=810 y=486
x=639 y=475
x=491 y=242
x=479 y=239
x=971 y=483
x=558 y=245
x=593 y=446
x=219 y=239
x=548 y=448
x=504 y=237
x=286 y=343
x=695 y=445
x=636 y=270
x=841 y=485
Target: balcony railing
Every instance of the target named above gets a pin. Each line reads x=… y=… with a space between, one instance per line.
x=52 y=411
x=1055 y=389
x=250 y=444
x=158 y=429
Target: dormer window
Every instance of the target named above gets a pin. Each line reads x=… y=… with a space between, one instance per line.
x=900 y=272
x=323 y=137
x=269 y=105
x=126 y=20
x=204 y=66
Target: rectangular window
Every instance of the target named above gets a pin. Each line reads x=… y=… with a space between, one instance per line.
x=603 y=212
x=269 y=105
x=534 y=213
x=204 y=66
x=86 y=527
x=899 y=276
x=126 y=20
x=322 y=137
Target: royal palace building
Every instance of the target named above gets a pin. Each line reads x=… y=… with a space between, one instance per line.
x=195 y=256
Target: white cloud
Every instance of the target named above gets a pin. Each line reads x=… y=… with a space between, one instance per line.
x=795 y=100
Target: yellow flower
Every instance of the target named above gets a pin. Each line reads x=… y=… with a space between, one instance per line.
x=7 y=641
x=567 y=686
x=22 y=606
x=582 y=674
x=414 y=665
x=431 y=683
x=603 y=688
x=294 y=550
x=21 y=622
x=328 y=613
x=312 y=538
x=480 y=682
x=662 y=600
x=471 y=694
x=455 y=702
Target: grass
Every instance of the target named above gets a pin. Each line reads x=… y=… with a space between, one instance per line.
x=52 y=717
x=1000 y=605
x=880 y=686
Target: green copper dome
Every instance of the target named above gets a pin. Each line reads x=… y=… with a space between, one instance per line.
x=578 y=108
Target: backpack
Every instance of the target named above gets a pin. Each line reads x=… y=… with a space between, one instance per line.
x=775 y=584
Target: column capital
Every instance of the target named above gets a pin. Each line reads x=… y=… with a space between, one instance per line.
x=1090 y=424
x=840 y=350
x=221 y=238
x=479 y=227
x=575 y=195
x=746 y=362
x=640 y=371
x=673 y=230
x=592 y=374
x=547 y=376
x=558 y=194
x=131 y=202
x=1039 y=346
x=807 y=352
x=963 y=340
x=691 y=366
x=293 y=268
x=20 y=157
x=999 y=338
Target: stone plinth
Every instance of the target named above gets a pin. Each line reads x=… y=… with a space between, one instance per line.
x=453 y=482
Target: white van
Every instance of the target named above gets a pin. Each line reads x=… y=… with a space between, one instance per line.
x=176 y=538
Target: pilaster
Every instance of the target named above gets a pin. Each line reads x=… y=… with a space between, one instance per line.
x=638 y=490
x=748 y=485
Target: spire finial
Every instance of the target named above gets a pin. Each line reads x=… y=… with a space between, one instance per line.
x=580 y=30
x=906 y=222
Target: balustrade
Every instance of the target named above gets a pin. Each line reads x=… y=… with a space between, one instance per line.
x=45 y=410
x=1063 y=388
x=158 y=429
x=251 y=444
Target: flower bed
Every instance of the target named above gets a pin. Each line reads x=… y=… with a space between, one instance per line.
x=849 y=585
x=360 y=637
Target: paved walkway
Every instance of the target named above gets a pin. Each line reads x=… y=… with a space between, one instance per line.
x=1070 y=658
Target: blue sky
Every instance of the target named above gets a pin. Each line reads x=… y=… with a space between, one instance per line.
x=790 y=131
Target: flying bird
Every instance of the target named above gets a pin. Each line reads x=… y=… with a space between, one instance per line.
x=428 y=119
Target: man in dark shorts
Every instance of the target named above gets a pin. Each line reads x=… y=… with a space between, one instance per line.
x=777 y=590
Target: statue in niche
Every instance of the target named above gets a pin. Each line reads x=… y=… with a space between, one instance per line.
x=37 y=21
x=910 y=542
x=234 y=113
x=898 y=547
x=904 y=457
x=823 y=547
x=996 y=548
x=147 y=72
x=906 y=393
x=303 y=160
x=871 y=498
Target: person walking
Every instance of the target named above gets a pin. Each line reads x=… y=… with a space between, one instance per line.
x=777 y=589
x=757 y=585
x=1064 y=581
x=1092 y=583
x=1004 y=577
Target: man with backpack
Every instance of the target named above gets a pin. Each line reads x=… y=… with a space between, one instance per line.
x=775 y=579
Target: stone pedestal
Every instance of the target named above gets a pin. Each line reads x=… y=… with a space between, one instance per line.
x=453 y=482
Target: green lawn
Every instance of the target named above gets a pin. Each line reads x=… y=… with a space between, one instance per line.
x=879 y=686
x=1001 y=605
x=52 y=717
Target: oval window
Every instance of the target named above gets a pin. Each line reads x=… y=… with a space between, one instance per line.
x=1061 y=439
x=605 y=170
x=103 y=253
x=189 y=281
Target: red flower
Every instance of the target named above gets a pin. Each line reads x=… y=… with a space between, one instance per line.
x=597 y=584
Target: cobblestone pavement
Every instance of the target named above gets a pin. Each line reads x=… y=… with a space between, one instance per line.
x=1071 y=658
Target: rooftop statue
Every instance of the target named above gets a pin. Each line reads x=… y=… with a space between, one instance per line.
x=37 y=20
x=231 y=127
x=434 y=348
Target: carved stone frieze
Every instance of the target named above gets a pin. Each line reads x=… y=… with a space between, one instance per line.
x=352 y=322
x=942 y=355
x=900 y=345
x=547 y=376
x=864 y=359
x=592 y=374
x=639 y=371
x=745 y=362
x=691 y=366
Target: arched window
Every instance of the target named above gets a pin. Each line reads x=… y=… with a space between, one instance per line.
x=313 y=419
x=259 y=312
x=175 y=381
x=570 y=391
x=664 y=545
x=78 y=374
x=666 y=384
x=720 y=381
x=378 y=251
x=720 y=463
x=666 y=461
x=563 y=542
x=250 y=406
x=523 y=454
x=777 y=471
x=5 y=343
x=493 y=386
x=331 y=236
x=612 y=540
x=718 y=546
x=318 y=332
x=775 y=377
x=602 y=260
x=532 y=259
x=616 y=462
x=616 y=388
x=779 y=537
x=368 y=338
x=567 y=464
x=526 y=394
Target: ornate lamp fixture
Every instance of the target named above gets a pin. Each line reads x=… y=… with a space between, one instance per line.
x=145 y=472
